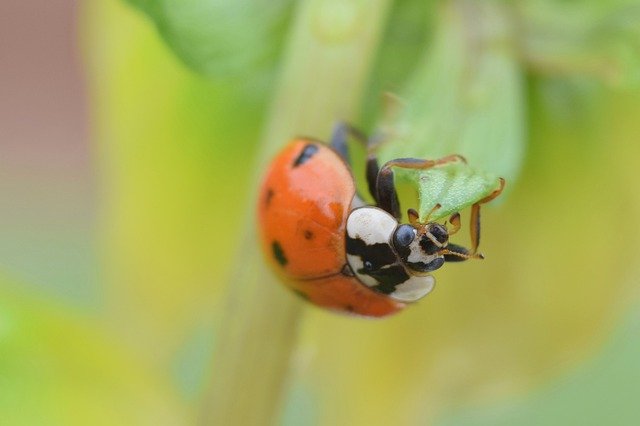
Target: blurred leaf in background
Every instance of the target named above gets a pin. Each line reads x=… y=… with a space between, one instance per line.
x=601 y=392
x=238 y=40
x=55 y=369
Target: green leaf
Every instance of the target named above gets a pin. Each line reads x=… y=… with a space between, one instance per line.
x=455 y=186
x=465 y=97
x=222 y=38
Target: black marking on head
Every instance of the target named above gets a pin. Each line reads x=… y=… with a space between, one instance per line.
x=380 y=263
x=389 y=278
x=378 y=254
x=308 y=235
x=268 y=197
x=427 y=267
x=301 y=294
x=307 y=152
x=278 y=253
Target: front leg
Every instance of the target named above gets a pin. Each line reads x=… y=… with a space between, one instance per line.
x=456 y=253
x=341 y=133
x=384 y=188
x=475 y=217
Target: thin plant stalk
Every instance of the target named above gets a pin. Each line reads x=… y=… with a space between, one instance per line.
x=326 y=65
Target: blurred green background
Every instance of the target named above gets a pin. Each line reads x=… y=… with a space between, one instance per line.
x=132 y=138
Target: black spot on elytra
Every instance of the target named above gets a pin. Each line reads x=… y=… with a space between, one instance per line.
x=278 y=253
x=268 y=197
x=307 y=152
x=308 y=235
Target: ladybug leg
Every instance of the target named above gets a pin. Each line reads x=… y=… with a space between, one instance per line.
x=373 y=171
x=456 y=253
x=454 y=220
x=384 y=188
x=341 y=133
x=475 y=217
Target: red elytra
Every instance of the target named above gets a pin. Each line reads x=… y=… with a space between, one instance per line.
x=304 y=202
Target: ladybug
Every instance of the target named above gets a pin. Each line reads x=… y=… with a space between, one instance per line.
x=337 y=252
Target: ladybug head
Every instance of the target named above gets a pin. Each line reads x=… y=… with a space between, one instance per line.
x=420 y=246
x=371 y=236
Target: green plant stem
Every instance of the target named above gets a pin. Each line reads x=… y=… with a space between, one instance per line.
x=322 y=80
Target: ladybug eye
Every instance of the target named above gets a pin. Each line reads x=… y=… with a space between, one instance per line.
x=403 y=236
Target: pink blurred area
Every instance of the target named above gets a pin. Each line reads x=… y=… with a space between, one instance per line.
x=46 y=180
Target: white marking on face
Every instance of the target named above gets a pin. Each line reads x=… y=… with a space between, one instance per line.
x=417 y=255
x=371 y=225
x=416 y=287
